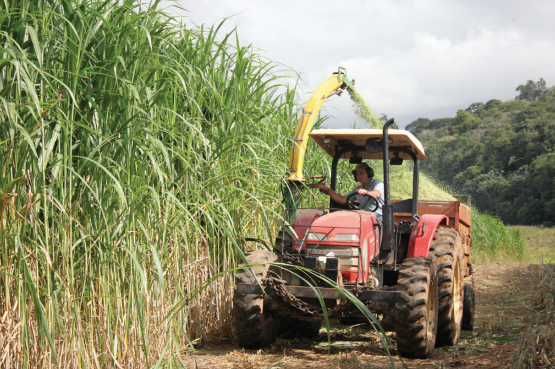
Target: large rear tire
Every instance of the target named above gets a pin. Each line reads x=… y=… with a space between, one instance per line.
x=254 y=326
x=416 y=312
x=449 y=255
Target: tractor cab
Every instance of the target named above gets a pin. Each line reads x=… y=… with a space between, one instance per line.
x=359 y=144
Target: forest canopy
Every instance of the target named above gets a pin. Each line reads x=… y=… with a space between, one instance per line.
x=500 y=153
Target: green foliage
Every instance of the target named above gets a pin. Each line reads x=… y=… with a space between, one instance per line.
x=539 y=243
x=429 y=127
x=463 y=122
x=474 y=107
x=500 y=153
x=531 y=91
x=492 y=241
x=134 y=153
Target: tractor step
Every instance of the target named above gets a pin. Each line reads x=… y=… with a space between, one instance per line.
x=326 y=293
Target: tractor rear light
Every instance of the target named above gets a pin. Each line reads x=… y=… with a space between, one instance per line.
x=347 y=237
x=316 y=237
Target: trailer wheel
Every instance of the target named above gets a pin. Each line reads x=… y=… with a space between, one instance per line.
x=448 y=253
x=468 y=307
x=253 y=324
x=416 y=312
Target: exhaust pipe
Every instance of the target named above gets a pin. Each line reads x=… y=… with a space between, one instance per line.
x=389 y=241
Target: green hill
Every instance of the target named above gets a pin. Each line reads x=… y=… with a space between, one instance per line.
x=501 y=153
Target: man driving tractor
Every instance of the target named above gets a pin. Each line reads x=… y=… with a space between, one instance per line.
x=369 y=186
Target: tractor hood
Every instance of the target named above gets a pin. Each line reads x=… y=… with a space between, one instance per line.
x=352 y=236
x=344 y=226
x=341 y=219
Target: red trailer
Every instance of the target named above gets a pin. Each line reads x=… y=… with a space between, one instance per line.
x=460 y=219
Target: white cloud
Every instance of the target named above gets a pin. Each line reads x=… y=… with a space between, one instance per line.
x=410 y=59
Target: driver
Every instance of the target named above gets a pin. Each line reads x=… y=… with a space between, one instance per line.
x=365 y=175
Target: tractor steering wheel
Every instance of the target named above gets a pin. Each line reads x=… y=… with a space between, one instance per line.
x=356 y=206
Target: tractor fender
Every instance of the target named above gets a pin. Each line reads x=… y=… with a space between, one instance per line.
x=422 y=234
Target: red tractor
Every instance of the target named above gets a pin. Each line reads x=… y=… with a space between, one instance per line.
x=409 y=269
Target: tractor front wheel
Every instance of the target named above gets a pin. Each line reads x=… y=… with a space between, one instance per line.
x=416 y=312
x=254 y=326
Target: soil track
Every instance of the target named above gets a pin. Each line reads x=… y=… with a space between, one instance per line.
x=504 y=309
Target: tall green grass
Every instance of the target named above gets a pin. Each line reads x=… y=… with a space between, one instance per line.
x=540 y=243
x=493 y=241
x=135 y=153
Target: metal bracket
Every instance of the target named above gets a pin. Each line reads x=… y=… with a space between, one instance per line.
x=342 y=77
x=349 y=83
x=341 y=72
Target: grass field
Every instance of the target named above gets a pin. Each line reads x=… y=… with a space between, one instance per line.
x=540 y=243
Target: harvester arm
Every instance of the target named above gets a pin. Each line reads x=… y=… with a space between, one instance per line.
x=323 y=91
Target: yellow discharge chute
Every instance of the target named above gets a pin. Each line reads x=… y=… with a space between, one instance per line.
x=310 y=111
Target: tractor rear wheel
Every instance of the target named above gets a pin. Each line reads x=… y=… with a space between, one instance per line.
x=448 y=253
x=253 y=324
x=468 y=309
x=416 y=312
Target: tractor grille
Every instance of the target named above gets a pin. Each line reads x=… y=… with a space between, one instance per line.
x=348 y=256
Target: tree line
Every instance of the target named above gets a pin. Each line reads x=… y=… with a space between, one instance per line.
x=500 y=153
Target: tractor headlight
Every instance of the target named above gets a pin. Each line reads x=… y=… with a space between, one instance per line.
x=347 y=237
x=316 y=236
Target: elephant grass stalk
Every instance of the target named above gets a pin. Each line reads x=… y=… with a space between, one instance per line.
x=135 y=153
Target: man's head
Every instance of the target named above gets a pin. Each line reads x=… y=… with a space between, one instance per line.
x=360 y=171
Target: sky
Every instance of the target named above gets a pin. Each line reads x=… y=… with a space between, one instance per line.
x=410 y=59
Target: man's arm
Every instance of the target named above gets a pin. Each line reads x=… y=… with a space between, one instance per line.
x=375 y=193
x=337 y=197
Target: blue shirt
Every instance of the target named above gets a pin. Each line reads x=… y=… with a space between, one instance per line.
x=375 y=184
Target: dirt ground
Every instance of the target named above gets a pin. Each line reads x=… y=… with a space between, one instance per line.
x=504 y=309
